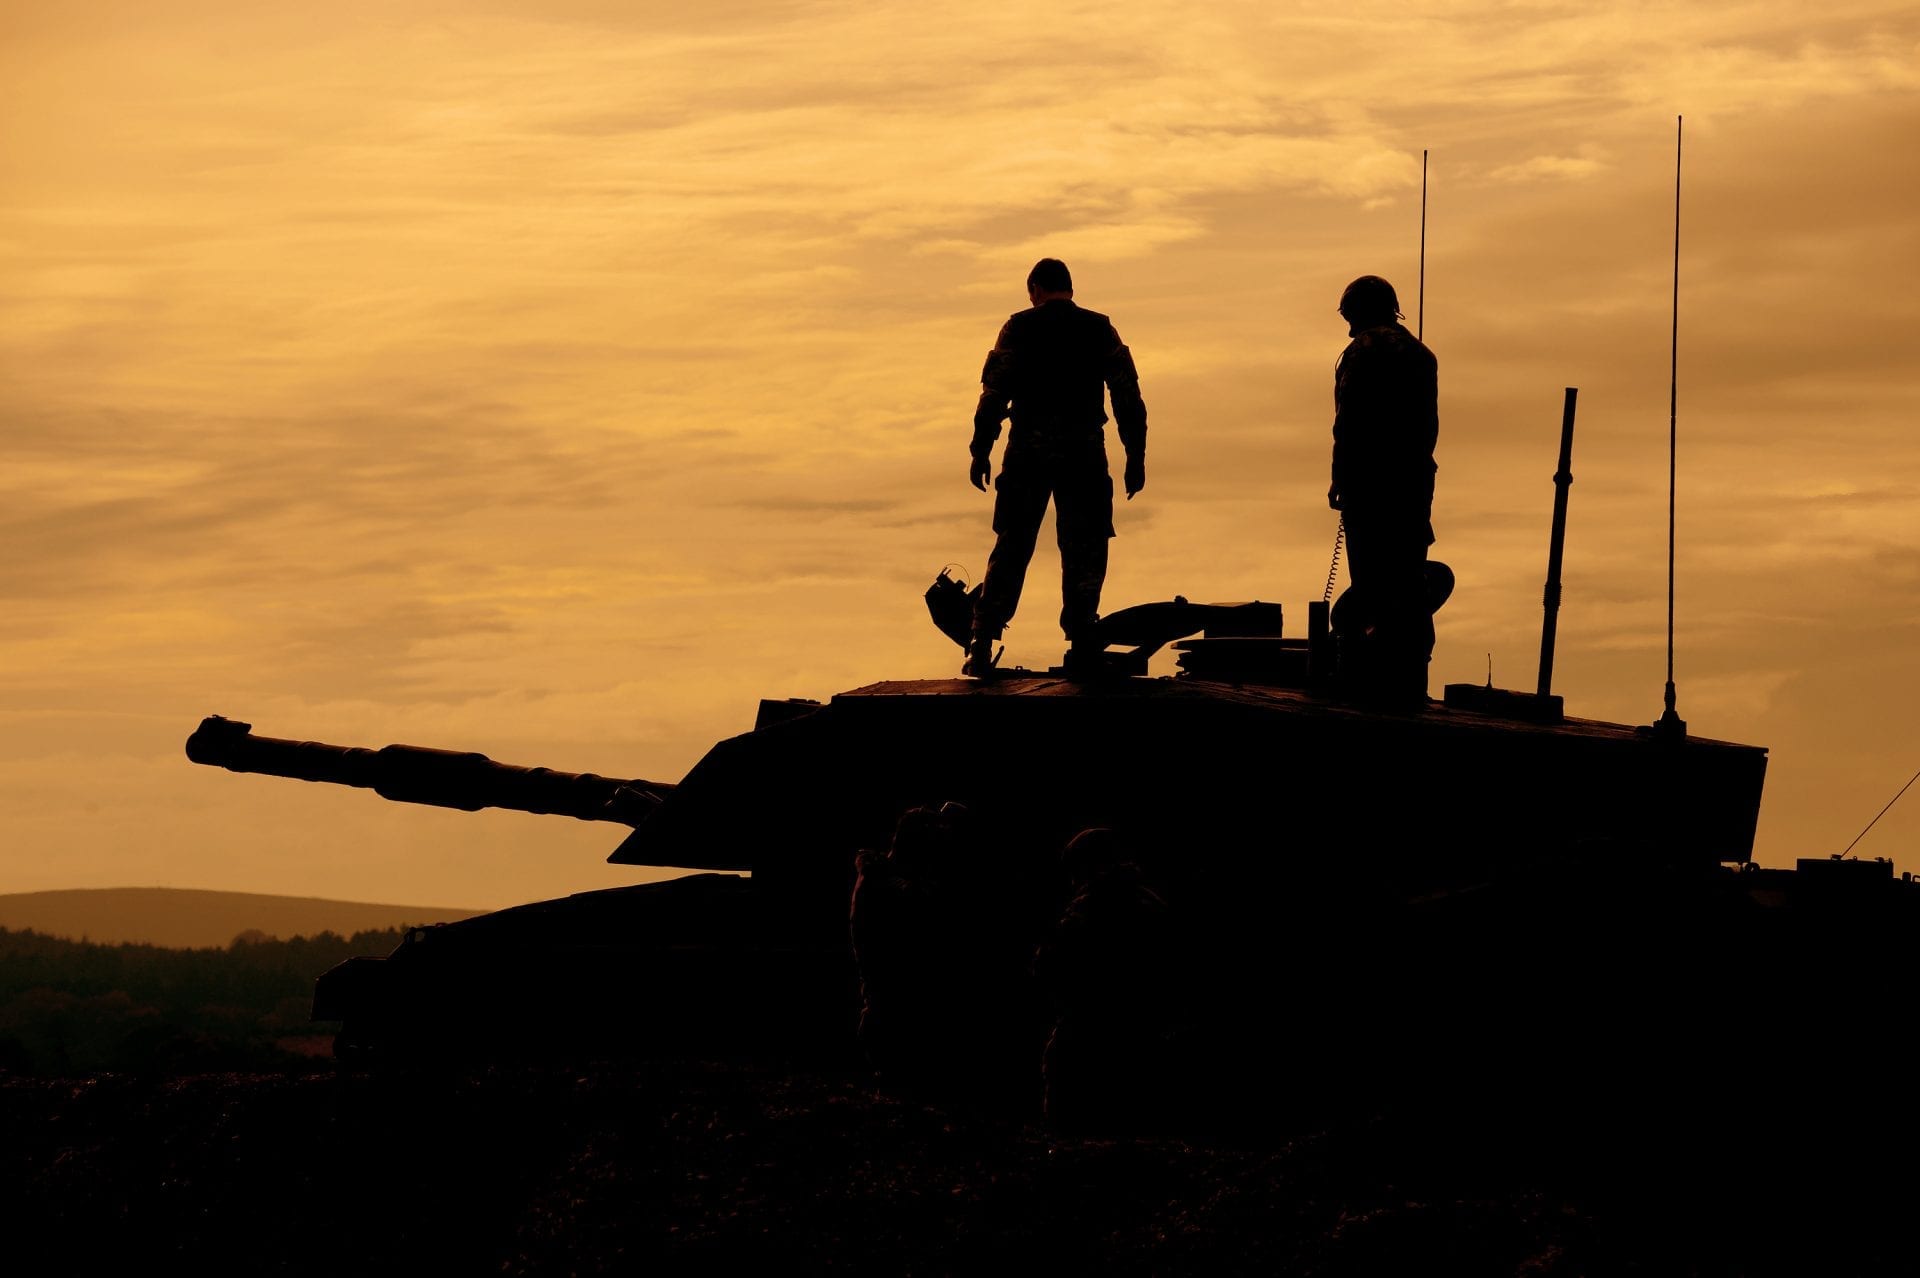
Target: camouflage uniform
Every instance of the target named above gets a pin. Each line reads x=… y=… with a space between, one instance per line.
x=1385 y=424
x=1051 y=368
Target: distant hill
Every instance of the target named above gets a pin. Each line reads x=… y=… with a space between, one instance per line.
x=185 y=919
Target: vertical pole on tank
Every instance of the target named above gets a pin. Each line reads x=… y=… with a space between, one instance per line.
x=1550 y=598
x=1670 y=726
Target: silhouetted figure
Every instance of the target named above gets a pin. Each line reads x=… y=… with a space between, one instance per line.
x=1110 y=970
x=1051 y=368
x=942 y=964
x=899 y=922
x=1385 y=423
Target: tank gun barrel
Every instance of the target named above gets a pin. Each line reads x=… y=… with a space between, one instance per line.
x=415 y=774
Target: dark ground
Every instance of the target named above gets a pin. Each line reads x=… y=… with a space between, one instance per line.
x=708 y=1168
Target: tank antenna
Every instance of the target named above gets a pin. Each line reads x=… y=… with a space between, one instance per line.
x=1420 y=311
x=1882 y=812
x=1670 y=724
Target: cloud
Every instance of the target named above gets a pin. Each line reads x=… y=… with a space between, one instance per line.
x=1549 y=168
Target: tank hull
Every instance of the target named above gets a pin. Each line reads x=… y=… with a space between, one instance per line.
x=1361 y=878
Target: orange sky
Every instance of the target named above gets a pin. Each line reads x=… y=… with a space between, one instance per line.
x=555 y=380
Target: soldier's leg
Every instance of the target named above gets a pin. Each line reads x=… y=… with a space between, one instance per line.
x=1387 y=559
x=1083 y=524
x=1019 y=503
x=1083 y=571
x=1410 y=624
x=1356 y=614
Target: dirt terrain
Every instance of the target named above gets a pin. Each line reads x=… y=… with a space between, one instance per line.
x=707 y=1167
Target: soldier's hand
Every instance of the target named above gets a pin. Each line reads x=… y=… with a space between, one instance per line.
x=980 y=473
x=1333 y=497
x=1136 y=475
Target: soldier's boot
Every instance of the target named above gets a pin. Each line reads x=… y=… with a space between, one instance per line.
x=1085 y=659
x=981 y=658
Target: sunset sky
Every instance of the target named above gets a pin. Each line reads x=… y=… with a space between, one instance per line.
x=558 y=379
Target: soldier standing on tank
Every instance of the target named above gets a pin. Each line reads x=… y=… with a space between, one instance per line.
x=1051 y=369
x=1386 y=421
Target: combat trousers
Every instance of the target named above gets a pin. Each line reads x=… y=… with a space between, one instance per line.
x=1389 y=650
x=1075 y=478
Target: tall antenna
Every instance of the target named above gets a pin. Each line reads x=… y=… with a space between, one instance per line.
x=1420 y=320
x=1670 y=724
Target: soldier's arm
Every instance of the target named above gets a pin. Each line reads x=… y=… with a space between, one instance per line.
x=1333 y=484
x=1354 y=392
x=996 y=393
x=1129 y=411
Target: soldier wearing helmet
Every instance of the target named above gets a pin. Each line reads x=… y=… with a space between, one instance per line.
x=1051 y=369
x=1385 y=423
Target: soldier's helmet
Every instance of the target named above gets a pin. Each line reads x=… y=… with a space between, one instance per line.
x=1369 y=297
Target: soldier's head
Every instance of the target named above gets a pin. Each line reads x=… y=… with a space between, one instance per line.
x=1090 y=852
x=1368 y=303
x=916 y=840
x=1049 y=279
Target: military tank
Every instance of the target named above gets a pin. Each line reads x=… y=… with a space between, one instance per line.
x=1483 y=869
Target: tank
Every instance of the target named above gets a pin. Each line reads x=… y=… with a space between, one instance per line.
x=1479 y=886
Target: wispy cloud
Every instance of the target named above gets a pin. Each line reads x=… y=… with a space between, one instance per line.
x=1549 y=168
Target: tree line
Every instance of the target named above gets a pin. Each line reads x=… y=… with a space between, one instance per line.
x=69 y=1007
